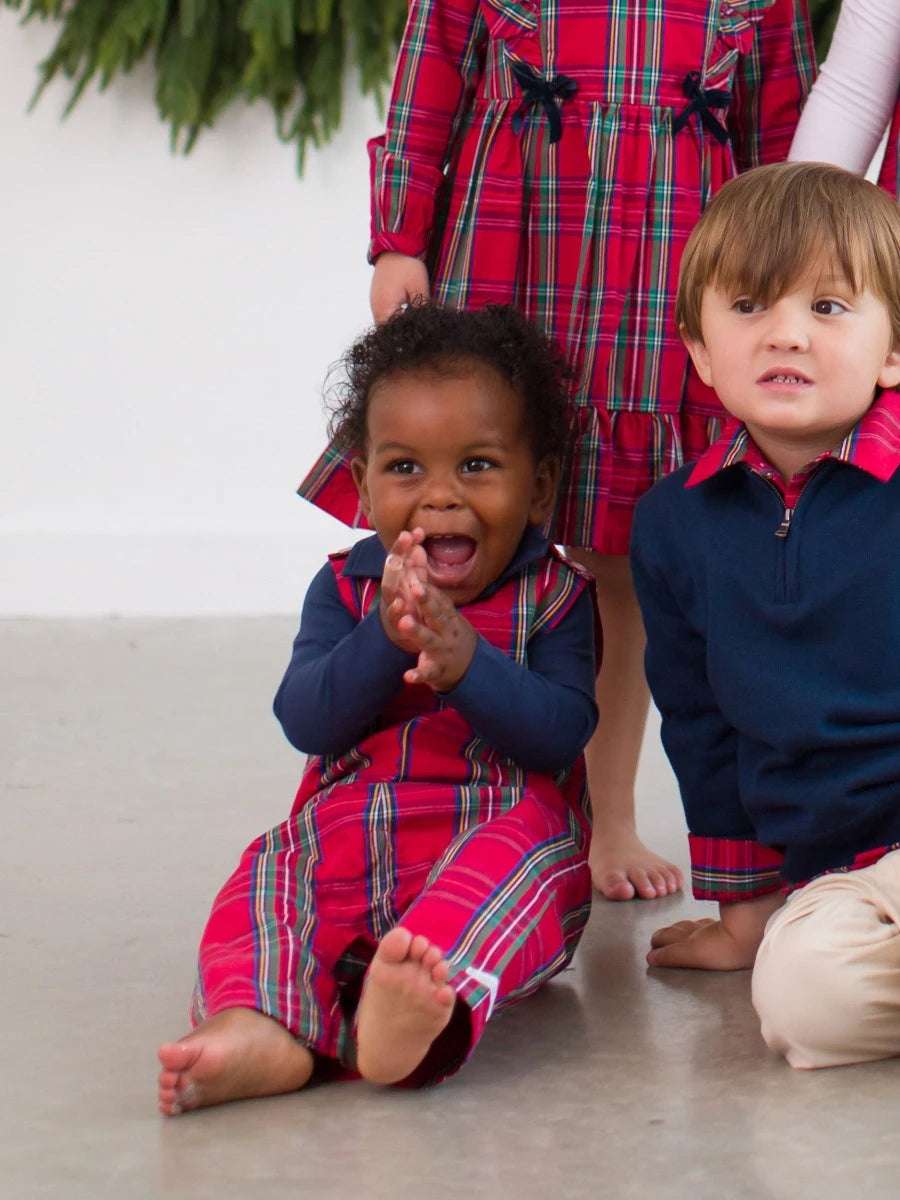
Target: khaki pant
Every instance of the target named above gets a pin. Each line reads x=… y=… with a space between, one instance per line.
x=826 y=983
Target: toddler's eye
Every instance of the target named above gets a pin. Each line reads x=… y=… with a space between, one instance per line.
x=828 y=308
x=747 y=306
x=403 y=466
x=472 y=465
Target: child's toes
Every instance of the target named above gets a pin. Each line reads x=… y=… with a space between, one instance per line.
x=419 y=949
x=440 y=972
x=432 y=957
x=394 y=946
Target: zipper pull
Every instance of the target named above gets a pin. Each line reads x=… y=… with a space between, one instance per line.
x=785 y=527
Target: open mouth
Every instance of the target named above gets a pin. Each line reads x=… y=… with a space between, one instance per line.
x=787 y=378
x=450 y=556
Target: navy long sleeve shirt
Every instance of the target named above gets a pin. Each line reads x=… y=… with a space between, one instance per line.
x=343 y=672
x=773 y=654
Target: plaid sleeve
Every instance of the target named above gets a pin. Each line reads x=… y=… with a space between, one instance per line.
x=440 y=62
x=731 y=869
x=771 y=85
x=889 y=177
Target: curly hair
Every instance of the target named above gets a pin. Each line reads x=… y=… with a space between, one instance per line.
x=428 y=338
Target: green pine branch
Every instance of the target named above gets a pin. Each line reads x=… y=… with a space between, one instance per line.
x=823 y=14
x=291 y=54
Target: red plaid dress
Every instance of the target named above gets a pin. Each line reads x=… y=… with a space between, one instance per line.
x=889 y=177
x=584 y=233
x=423 y=824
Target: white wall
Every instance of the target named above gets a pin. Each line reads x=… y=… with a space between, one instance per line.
x=166 y=324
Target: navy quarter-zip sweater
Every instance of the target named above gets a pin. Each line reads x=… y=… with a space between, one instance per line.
x=774 y=658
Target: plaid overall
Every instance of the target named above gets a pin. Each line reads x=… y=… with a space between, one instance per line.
x=422 y=824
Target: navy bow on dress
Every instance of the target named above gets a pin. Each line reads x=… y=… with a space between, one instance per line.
x=538 y=90
x=701 y=101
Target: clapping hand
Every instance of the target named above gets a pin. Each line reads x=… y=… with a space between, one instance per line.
x=404 y=567
x=422 y=619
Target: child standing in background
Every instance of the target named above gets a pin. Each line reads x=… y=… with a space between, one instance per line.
x=857 y=95
x=556 y=155
x=768 y=578
x=434 y=867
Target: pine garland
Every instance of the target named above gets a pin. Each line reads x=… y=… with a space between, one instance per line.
x=291 y=54
x=823 y=14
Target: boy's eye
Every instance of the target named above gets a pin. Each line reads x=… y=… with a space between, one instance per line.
x=744 y=305
x=403 y=466
x=828 y=308
x=472 y=465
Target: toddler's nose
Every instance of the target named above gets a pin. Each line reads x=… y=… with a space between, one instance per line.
x=788 y=327
x=442 y=493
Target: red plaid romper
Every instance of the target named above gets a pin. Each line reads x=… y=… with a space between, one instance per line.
x=556 y=155
x=423 y=824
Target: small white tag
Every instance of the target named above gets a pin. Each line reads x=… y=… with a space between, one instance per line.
x=487 y=980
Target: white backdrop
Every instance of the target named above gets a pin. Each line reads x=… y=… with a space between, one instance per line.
x=166 y=324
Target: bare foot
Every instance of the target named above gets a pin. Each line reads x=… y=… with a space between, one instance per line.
x=622 y=867
x=235 y=1055
x=406 y=1002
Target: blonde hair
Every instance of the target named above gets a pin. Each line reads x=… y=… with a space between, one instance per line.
x=764 y=230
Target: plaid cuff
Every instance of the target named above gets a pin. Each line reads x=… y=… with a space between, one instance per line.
x=731 y=869
x=402 y=199
x=412 y=247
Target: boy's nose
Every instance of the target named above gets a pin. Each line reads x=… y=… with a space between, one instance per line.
x=787 y=328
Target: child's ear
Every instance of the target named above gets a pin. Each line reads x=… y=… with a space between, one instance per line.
x=359 y=470
x=889 y=375
x=699 y=355
x=543 y=493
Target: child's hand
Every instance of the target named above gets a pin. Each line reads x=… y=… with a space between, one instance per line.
x=404 y=567
x=705 y=945
x=445 y=639
x=729 y=944
x=398 y=279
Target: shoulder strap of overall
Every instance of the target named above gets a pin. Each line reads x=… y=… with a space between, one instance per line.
x=358 y=593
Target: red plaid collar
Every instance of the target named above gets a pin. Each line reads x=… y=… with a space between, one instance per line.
x=873 y=446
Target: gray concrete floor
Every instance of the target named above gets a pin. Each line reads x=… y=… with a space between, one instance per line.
x=138 y=758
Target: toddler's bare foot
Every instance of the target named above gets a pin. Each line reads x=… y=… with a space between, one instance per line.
x=235 y=1055
x=622 y=867
x=406 y=1002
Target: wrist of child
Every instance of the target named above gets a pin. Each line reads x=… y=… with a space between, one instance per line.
x=456 y=674
x=745 y=921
